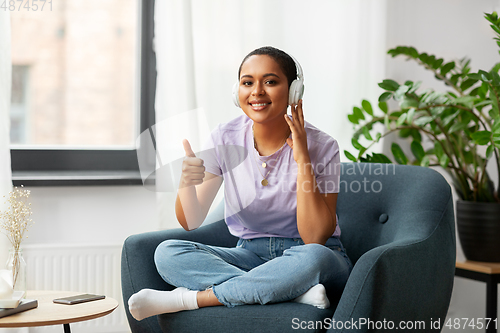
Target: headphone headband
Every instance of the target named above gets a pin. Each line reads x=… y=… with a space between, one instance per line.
x=300 y=74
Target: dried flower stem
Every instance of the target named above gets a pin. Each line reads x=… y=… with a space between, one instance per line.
x=15 y=221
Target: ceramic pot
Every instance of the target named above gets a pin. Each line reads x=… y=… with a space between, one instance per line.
x=478 y=225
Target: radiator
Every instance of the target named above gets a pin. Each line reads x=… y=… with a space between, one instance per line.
x=80 y=268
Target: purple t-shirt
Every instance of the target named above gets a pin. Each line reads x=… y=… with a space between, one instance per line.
x=251 y=209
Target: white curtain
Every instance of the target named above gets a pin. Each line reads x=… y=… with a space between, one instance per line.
x=5 y=89
x=199 y=46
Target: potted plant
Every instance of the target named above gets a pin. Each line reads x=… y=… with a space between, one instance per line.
x=457 y=130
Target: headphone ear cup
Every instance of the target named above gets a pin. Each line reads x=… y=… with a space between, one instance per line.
x=236 y=95
x=296 y=91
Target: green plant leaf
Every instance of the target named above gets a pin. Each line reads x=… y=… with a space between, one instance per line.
x=398 y=154
x=401 y=120
x=437 y=111
x=494 y=104
x=417 y=150
x=350 y=156
x=467 y=101
x=495 y=68
x=381 y=158
x=494 y=112
x=450 y=118
x=422 y=121
x=495 y=78
x=423 y=57
x=367 y=107
x=447 y=68
x=415 y=134
x=414 y=86
x=408 y=102
x=485 y=76
x=401 y=92
x=467 y=84
x=410 y=115
x=436 y=64
x=483 y=103
x=475 y=91
x=444 y=160
x=474 y=76
x=353 y=119
x=425 y=162
x=404 y=132
x=388 y=84
x=357 y=145
x=495 y=129
x=454 y=79
x=483 y=89
x=383 y=106
x=366 y=133
x=358 y=113
x=387 y=122
x=494 y=27
x=496 y=138
x=468 y=157
x=457 y=127
x=412 y=52
x=489 y=151
x=430 y=60
x=378 y=136
x=438 y=149
x=385 y=96
x=481 y=137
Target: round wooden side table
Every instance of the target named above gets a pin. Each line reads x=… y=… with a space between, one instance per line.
x=50 y=313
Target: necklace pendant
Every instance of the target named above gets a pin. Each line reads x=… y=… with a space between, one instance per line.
x=264 y=182
x=264 y=164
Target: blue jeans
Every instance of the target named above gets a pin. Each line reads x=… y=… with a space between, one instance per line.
x=260 y=270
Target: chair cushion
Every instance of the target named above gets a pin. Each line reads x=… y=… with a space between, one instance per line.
x=272 y=318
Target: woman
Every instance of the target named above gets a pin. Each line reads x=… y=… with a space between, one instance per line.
x=280 y=201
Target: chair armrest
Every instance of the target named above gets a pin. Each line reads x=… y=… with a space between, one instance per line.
x=391 y=282
x=138 y=270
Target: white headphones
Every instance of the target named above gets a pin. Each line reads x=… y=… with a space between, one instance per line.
x=296 y=88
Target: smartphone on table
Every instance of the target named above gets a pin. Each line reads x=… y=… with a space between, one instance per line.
x=78 y=299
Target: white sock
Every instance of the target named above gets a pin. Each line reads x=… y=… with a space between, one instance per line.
x=149 y=302
x=315 y=296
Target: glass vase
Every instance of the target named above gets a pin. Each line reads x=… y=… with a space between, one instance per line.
x=17 y=266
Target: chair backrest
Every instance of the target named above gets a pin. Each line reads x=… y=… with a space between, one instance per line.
x=383 y=203
x=378 y=204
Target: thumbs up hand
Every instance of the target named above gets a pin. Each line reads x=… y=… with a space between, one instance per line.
x=193 y=170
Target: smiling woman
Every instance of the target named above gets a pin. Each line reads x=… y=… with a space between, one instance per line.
x=289 y=246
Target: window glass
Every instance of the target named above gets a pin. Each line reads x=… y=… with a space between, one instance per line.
x=75 y=74
x=19 y=105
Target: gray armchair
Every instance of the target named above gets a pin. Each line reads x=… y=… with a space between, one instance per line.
x=398 y=229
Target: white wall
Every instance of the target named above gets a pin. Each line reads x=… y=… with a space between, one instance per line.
x=450 y=29
x=90 y=214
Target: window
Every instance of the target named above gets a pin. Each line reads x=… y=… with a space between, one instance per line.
x=83 y=83
x=19 y=105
